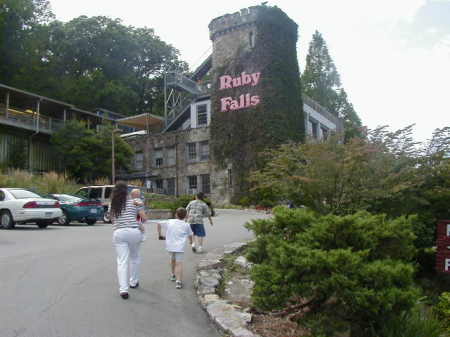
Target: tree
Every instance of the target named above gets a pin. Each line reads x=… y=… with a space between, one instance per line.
x=341 y=178
x=87 y=155
x=92 y=62
x=18 y=21
x=321 y=82
x=320 y=79
x=103 y=63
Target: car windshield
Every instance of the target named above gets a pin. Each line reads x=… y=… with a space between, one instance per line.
x=67 y=198
x=23 y=194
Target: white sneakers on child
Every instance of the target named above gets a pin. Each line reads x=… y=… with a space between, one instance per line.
x=199 y=249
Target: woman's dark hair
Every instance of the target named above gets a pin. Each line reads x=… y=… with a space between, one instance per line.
x=119 y=198
x=200 y=195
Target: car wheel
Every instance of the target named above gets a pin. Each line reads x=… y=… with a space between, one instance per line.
x=64 y=219
x=6 y=220
x=91 y=222
x=43 y=224
x=106 y=218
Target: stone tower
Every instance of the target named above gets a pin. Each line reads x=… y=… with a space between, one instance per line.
x=256 y=98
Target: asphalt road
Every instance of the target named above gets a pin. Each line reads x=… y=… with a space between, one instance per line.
x=61 y=282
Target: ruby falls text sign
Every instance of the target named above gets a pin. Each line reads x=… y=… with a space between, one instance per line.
x=244 y=100
x=443 y=247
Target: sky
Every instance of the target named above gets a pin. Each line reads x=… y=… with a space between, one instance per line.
x=393 y=55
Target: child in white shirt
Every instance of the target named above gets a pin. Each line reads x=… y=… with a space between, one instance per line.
x=177 y=233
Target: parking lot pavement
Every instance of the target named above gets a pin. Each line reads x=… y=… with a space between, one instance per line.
x=61 y=282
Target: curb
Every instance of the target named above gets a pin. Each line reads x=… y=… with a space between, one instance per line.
x=229 y=318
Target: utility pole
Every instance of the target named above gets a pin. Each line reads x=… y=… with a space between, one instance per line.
x=113 y=168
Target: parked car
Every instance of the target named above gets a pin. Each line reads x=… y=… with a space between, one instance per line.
x=78 y=209
x=20 y=206
x=102 y=193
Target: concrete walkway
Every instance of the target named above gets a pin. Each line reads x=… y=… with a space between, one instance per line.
x=61 y=282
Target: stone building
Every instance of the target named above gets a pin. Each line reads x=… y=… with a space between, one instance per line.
x=245 y=89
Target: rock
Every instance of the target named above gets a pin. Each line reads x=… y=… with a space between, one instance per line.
x=209 y=264
x=233 y=247
x=243 y=262
x=209 y=281
x=239 y=290
x=230 y=320
x=203 y=291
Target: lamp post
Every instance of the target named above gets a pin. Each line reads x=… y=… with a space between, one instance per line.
x=113 y=155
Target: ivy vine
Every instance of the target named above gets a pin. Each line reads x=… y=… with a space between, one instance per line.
x=237 y=137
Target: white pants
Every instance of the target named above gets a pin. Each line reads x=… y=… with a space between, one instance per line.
x=127 y=242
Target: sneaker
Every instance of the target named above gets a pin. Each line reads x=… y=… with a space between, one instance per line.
x=199 y=249
x=124 y=295
x=193 y=248
x=135 y=286
x=179 y=285
x=173 y=278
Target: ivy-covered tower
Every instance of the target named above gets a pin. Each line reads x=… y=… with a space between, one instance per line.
x=256 y=98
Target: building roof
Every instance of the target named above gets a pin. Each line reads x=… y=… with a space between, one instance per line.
x=142 y=121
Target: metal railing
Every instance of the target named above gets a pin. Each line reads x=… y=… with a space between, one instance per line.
x=176 y=79
x=30 y=120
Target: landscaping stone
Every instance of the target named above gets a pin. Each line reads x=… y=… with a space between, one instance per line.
x=234 y=247
x=239 y=290
x=211 y=261
x=243 y=262
x=230 y=318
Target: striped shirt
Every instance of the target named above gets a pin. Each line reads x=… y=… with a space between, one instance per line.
x=128 y=217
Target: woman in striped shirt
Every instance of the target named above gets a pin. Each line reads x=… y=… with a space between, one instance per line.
x=127 y=237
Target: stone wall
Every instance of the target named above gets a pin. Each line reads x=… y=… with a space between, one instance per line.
x=220 y=190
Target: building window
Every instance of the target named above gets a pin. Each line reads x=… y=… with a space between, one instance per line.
x=191 y=151
x=171 y=156
x=159 y=185
x=251 y=39
x=158 y=158
x=192 y=182
x=206 y=186
x=171 y=186
x=202 y=115
x=204 y=150
x=139 y=161
x=230 y=178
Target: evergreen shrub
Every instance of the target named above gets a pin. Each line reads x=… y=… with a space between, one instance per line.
x=442 y=310
x=351 y=272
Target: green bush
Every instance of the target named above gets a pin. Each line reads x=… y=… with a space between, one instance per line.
x=442 y=310
x=419 y=322
x=353 y=270
x=244 y=201
x=46 y=183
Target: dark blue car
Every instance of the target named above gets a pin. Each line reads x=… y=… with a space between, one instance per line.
x=75 y=208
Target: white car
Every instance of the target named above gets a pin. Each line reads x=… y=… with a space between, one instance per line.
x=20 y=206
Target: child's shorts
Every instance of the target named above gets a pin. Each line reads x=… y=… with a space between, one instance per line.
x=198 y=229
x=177 y=256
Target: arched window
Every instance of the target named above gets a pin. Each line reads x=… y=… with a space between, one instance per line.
x=251 y=39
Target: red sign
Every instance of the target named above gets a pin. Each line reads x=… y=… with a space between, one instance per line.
x=443 y=247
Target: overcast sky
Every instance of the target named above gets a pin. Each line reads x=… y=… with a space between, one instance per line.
x=393 y=55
